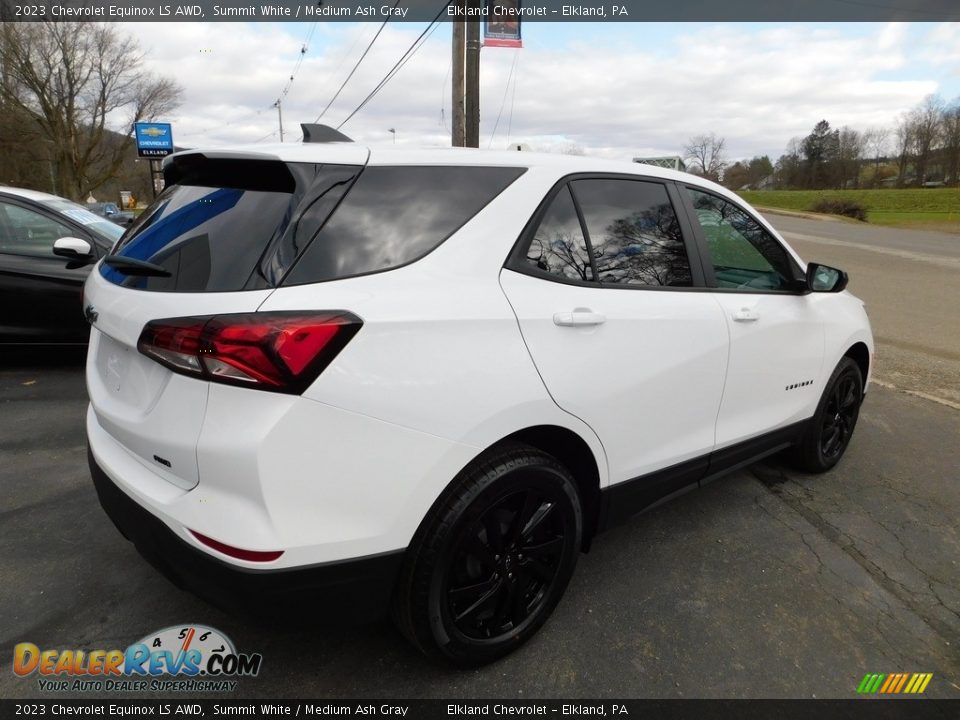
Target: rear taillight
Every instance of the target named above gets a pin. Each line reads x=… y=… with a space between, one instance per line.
x=278 y=351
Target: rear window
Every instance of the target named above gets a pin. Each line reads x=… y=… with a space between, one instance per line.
x=393 y=216
x=227 y=225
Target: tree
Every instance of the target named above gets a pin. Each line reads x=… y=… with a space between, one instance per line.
x=904 y=135
x=736 y=176
x=747 y=173
x=850 y=147
x=788 y=172
x=571 y=148
x=875 y=142
x=820 y=152
x=73 y=81
x=951 y=142
x=759 y=169
x=926 y=119
x=705 y=153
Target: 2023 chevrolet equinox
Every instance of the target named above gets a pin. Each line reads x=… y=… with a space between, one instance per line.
x=422 y=381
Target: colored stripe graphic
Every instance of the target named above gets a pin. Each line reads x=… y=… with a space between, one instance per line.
x=903 y=679
x=894 y=683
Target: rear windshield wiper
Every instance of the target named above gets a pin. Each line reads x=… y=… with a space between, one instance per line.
x=132 y=266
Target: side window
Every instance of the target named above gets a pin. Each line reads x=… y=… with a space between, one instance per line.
x=558 y=247
x=744 y=255
x=26 y=232
x=634 y=233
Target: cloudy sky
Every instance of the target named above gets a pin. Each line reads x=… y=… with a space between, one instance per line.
x=616 y=90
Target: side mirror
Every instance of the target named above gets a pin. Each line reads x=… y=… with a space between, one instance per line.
x=823 y=278
x=73 y=248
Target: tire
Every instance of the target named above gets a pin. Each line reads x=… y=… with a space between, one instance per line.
x=828 y=434
x=476 y=583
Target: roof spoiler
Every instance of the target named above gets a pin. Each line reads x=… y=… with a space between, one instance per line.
x=322 y=134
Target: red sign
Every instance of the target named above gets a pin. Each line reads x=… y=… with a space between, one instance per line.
x=502 y=26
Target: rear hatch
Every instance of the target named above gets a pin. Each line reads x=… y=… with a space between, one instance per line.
x=216 y=241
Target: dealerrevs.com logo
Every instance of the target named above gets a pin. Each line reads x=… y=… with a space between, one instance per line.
x=185 y=658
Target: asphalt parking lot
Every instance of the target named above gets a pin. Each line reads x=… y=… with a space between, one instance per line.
x=768 y=583
x=765 y=584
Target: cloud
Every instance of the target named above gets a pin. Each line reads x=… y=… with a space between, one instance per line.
x=756 y=86
x=942 y=46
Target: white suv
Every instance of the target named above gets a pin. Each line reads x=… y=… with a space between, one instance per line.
x=354 y=379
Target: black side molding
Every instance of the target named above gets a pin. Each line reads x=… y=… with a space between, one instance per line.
x=624 y=500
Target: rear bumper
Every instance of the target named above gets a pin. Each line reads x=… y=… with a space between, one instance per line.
x=352 y=590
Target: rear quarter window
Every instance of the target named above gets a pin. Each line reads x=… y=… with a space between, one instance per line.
x=228 y=225
x=394 y=215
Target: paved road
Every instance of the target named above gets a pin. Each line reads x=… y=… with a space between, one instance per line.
x=910 y=281
x=765 y=584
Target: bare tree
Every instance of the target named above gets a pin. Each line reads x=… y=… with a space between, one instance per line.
x=77 y=82
x=850 y=146
x=905 y=133
x=926 y=132
x=951 y=142
x=875 y=142
x=705 y=153
x=788 y=170
x=571 y=148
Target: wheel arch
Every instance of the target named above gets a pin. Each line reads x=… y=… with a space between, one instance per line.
x=573 y=452
x=860 y=354
x=569 y=448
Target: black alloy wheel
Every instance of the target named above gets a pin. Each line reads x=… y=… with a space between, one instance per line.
x=504 y=564
x=839 y=416
x=828 y=434
x=492 y=559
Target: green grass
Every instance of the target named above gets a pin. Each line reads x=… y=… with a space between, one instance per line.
x=930 y=208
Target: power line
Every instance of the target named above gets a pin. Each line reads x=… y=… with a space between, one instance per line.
x=304 y=47
x=269 y=134
x=513 y=99
x=303 y=53
x=513 y=65
x=443 y=95
x=411 y=51
x=356 y=65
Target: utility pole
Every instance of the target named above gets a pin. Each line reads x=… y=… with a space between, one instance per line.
x=457 y=120
x=279 y=117
x=472 y=81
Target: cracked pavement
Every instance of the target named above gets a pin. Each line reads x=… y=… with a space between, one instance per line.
x=767 y=583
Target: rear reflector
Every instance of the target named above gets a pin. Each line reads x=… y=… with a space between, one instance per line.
x=278 y=351
x=239 y=553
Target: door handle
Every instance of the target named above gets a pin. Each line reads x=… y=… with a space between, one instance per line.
x=581 y=317
x=746 y=314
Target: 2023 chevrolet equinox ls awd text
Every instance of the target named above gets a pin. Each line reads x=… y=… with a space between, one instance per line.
x=422 y=381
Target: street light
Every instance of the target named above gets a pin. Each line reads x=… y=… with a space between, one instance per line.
x=393 y=131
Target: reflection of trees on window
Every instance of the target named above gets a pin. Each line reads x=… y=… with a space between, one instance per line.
x=558 y=246
x=644 y=249
x=634 y=232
